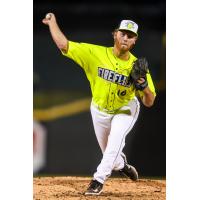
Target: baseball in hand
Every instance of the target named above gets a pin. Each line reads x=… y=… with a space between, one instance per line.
x=48 y=16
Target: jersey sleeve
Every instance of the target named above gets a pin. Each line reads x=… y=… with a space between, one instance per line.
x=79 y=53
x=150 y=84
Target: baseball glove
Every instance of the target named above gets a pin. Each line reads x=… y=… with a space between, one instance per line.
x=139 y=70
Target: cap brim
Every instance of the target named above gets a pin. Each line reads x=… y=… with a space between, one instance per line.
x=123 y=29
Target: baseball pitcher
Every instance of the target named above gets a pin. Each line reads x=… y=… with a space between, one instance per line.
x=115 y=76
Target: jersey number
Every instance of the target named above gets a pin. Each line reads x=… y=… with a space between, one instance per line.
x=121 y=93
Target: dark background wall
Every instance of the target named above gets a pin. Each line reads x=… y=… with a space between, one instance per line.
x=71 y=144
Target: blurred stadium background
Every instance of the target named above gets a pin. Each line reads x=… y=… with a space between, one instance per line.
x=62 y=94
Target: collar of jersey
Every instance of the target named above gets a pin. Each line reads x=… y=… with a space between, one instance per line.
x=125 y=63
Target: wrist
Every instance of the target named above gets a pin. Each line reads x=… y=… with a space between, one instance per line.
x=147 y=90
x=52 y=21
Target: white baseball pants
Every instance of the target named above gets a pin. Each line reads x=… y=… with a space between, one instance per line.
x=111 y=130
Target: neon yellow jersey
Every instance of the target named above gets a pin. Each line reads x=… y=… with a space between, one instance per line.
x=107 y=74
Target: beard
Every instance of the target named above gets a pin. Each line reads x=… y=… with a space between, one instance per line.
x=122 y=46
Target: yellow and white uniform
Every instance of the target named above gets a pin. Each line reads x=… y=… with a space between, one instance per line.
x=114 y=106
x=107 y=74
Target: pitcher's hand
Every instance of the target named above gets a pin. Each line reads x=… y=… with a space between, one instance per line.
x=49 y=18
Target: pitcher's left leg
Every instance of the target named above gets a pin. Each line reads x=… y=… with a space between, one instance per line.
x=120 y=127
x=134 y=106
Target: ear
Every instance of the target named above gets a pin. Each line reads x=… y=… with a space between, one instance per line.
x=115 y=35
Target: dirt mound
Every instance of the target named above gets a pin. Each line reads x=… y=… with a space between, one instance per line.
x=72 y=188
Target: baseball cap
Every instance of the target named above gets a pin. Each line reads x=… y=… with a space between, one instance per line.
x=128 y=25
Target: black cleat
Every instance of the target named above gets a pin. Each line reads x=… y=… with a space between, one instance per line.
x=95 y=188
x=129 y=171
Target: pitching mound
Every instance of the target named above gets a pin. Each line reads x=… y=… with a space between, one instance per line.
x=72 y=188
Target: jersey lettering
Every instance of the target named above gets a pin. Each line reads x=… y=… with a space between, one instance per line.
x=100 y=72
x=106 y=72
x=122 y=79
x=114 y=77
x=110 y=76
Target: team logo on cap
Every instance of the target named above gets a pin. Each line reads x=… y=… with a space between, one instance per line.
x=129 y=25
